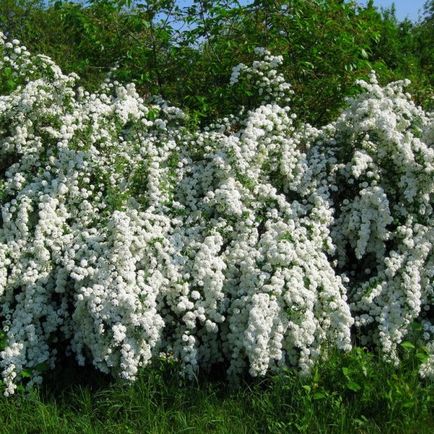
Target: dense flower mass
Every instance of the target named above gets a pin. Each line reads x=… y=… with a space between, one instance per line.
x=258 y=241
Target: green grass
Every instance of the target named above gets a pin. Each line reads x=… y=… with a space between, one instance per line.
x=354 y=393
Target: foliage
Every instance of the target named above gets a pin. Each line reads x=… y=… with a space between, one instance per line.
x=186 y=54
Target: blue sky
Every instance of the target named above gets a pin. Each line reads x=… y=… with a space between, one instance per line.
x=404 y=8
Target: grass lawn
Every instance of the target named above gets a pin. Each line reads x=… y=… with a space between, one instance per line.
x=354 y=393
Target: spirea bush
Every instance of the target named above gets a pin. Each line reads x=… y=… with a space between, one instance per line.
x=258 y=242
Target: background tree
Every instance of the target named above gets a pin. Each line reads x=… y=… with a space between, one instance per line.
x=186 y=53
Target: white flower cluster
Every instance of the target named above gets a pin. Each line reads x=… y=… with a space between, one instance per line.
x=384 y=221
x=124 y=236
x=263 y=77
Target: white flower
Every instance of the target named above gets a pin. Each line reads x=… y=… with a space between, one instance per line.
x=251 y=241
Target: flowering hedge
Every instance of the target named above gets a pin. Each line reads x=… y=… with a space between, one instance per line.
x=258 y=241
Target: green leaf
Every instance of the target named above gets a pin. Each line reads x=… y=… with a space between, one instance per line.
x=408 y=346
x=346 y=372
x=41 y=367
x=352 y=385
x=3 y=340
x=10 y=84
x=152 y=114
x=20 y=388
x=8 y=72
x=416 y=326
x=26 y=373
x=422 y=356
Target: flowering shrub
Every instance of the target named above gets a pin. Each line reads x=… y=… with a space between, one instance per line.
x=258 y=241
